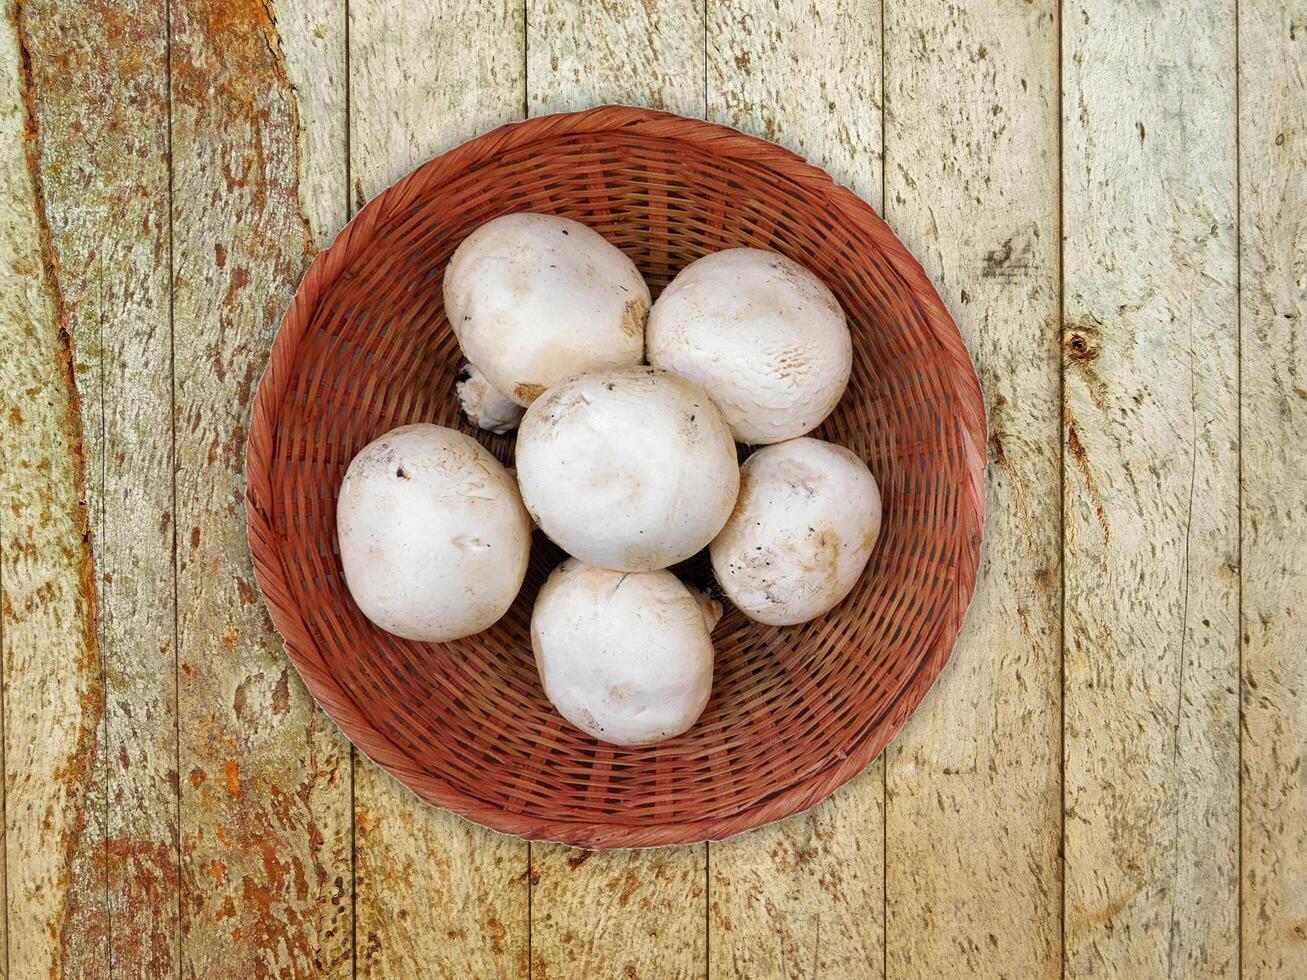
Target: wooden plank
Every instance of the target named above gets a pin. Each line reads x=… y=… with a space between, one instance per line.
x=1273 y=307
x=633 y=52
x=804 y=897
x=264 y=780
x=634 y=913
x=57 y=922
x=436 y=895
x=1151 y=524
x=630 y=51
x=973 y=783
x=311 y=35
x=629 y=914
x=99 y=93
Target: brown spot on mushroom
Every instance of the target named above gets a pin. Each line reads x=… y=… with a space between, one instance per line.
x=633 y=316
x=640 y=556
x=793 y=363
x=528 y=391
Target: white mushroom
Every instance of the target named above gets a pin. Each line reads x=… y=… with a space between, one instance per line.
x=626 y=657
x=484 y=405
x=535 y=298
x=632 y=469
x=433 y=535
x=801 y=533
x=763 y=335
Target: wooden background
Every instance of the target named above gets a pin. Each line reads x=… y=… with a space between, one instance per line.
x=1109 y=778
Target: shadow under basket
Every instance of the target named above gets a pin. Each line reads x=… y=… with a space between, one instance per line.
x=795 y=712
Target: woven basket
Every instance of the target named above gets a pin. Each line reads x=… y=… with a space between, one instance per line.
x=795 y=712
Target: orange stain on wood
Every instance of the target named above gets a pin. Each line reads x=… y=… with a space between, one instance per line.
x=233 y=778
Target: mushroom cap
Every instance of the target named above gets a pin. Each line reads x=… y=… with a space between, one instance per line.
x=433 y=536
x=624 y=656
x=483 y=405
x=631 y=469
x=763 y=334
x=803 y=528
x=535 y=298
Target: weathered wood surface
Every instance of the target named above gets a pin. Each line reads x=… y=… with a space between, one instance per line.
x=799 y=898
x=631 y=51
x=109 y=244
x=264 y=801
x=1151 y=551
x=173 y=803
x=635 y=913
x=55 y=897
x=434 y=895
x=973 y=801
x=1273 y=382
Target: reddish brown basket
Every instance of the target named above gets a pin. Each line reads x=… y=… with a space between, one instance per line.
x=795 y=712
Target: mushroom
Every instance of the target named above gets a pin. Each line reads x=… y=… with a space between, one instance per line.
x=801 y=533
x=483 y=405
x=535 y=298
x=433 y=535
x=626 y=657
x=763 y=335
x=631 y=469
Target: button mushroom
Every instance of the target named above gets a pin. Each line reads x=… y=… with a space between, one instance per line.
x=483 y=405
x=433 y=535
x=631 y=469
x=763 y=335
x=626 y=657
x=535 y=298
x=807 y=517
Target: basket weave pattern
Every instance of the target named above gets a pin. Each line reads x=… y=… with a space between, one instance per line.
x=795 y=712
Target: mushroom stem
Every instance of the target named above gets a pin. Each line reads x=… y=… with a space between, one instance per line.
x=710 y=607
x=483 y=405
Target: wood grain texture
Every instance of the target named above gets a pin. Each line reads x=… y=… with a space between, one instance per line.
x=635 y=52
x=99 y=94
x=264 y=782
x=1151 y=523
x=435 y=895
x=1273 y=272
x=973 y=801
x=311 y=36
x=628 y=914
x=425 y=77
x=804 y=897
x=618 y=913
x=55 y=900
x=280 y=128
